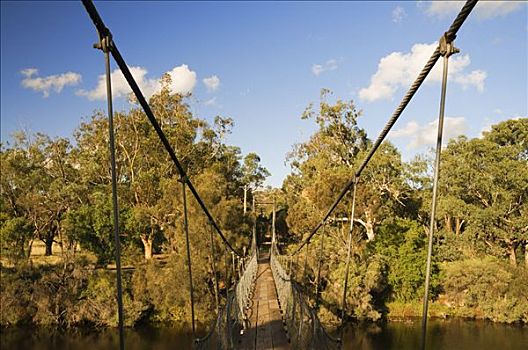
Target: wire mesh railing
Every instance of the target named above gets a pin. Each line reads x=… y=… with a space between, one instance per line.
x=232 y=318
x=304 y=327
x=303 y=323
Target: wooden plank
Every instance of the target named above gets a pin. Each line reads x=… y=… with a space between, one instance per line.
x=266 y=327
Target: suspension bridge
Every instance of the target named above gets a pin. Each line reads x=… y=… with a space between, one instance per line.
x=264 y=307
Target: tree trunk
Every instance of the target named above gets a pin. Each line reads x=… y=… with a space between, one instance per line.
x=458 y=228
x=526 y=254
x=513 y=256
x=370 y=231
x=147 y=245
x=369 y=226
x=245 y=199
x=27 y=253
x=49 y=244
x=448 y=225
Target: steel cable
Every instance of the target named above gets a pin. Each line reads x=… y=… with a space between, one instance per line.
x=103 y=30
x=450 y=34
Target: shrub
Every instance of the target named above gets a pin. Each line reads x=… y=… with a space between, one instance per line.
x=487 y=288
x=16 y=289
x=366 y=286
x=402 y=243
x=99 y=302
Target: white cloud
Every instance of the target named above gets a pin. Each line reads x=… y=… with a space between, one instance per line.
x=483 y=10
x=50 y=83
x=426 y=135
x=325 y=67
x=183 y=81
x=398 y=14
x=28 y=72
x=475 y=78
x=398 y=70
x=212 y=83
x=485 y=128
x=498 y=111
x=211 y=102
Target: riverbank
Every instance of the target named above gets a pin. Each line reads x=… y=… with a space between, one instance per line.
x=398 y=311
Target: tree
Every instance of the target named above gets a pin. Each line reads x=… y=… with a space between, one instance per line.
x=253 y=174
x=38 y=183
x=382 y=191
x=15 y=237
x=489 y=178
x=322 y=165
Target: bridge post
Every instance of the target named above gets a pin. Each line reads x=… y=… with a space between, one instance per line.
x=349 y=250
x=319 y=263
x=105 y=44
x=306 y=253
x=213 y=265
x=446 y=49
x=296 y=271
x=245 y=199
x=254 y=242
x=183 y=180
x=273 y=217
x=234 y=267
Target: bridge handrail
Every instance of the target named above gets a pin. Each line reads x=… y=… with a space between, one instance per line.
x=309 y=333
x=232 y=318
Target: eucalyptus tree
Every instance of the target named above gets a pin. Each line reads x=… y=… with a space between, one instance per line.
x=253 y=174
x=38 y=184
x=486 y=182
x=323 y=164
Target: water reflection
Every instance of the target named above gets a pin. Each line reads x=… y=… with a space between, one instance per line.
x=161 y=338
x=442 y=334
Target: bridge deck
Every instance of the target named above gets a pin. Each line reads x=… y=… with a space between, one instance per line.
x=266 y=330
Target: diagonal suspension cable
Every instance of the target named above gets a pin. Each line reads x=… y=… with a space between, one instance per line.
x=105 y=32
x=450 y=36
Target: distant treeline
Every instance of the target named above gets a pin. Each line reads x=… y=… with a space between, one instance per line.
x=57 y=190
x=480 y=260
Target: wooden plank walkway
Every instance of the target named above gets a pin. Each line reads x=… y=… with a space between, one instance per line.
x=266 y=330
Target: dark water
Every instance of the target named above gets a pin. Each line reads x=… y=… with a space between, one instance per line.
x=448 y=335
x=454 y=334
x=161 y=338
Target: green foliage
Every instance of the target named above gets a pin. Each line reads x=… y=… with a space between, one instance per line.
x=98 y=302
x=150 y=285
x=367 y=286
x=57 y=191
x=485 y=182
x=92 y=226
x=403 y=243
x=486 y=288
x=16 y=290
x=323 y=164
x=15 y=237
x=254 y=174
x=482 y=207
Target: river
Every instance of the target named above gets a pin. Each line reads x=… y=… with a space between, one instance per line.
x=455 y=334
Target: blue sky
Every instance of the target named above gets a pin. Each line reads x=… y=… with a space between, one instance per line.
x=263 y=63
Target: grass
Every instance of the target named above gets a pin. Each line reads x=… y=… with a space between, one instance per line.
x=399 y=310
x=38 y=255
